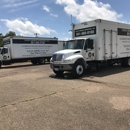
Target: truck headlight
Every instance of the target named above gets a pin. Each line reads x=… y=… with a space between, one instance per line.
x=67 y=60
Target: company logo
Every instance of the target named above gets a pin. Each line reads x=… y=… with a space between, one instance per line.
x=4 y=57
x=123 y=31
x=85 y=31
x=89 y=54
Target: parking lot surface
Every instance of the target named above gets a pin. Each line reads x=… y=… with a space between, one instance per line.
x=34 y=98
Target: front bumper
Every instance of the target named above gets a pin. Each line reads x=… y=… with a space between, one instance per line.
x=64 y=67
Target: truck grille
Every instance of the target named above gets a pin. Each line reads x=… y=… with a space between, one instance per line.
x=57 y=57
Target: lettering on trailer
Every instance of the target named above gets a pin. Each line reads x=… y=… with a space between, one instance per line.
x=33 y=41
x=125 y=40
x=85 y=31
x=38 y=49
x=123 y=31
x=36 y=52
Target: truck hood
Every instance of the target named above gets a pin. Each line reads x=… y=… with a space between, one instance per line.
x=68 y=51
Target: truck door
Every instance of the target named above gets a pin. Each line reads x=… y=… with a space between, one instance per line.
x=89 y=53
x=110 y=44
x=5 y=54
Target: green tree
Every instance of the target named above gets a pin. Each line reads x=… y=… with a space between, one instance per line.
x=10 y=33
x=1 y=40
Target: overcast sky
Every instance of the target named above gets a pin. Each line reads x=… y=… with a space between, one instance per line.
x=52 y=18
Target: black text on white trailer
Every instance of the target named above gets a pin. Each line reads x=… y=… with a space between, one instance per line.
x=35 y=49
x=94 y=43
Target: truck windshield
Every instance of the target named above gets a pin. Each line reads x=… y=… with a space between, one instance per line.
x=74 y=44
x=6 y=42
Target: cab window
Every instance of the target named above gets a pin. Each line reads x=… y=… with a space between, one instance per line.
x=88 y=44
x=4 y=51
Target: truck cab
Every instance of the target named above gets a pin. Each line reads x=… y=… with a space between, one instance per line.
x=4 y=55
x=77 y=52
x=95 y=44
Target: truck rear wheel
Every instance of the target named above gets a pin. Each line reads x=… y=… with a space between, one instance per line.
x=78 y=69
x=59 y=72
x=41 y=61
x=125 y=62
x=0 y=64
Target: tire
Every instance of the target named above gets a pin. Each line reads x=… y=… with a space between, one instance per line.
x=125 y=62
x=41 y=61
x=58 y=73
x=0 y=64
x=78 y=70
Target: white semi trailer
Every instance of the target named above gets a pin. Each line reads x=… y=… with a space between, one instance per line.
x=94 y=43
x=35 y=49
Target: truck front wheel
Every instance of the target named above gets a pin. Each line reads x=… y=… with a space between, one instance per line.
x=78 y=69
x=59 y=72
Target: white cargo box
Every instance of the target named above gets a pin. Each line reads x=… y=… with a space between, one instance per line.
x=32 y=47
x=111 y=39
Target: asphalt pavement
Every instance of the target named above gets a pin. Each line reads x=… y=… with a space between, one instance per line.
x=34 y=98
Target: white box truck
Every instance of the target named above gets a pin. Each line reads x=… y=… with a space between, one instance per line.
x=35 y=49
x=93 y=44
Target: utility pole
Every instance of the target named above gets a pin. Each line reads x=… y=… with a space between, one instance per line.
x=36 y=34
x=71 y=20
x=72 y=27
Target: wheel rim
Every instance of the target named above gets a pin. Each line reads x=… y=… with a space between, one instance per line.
x=79 y=70
x=129 y=61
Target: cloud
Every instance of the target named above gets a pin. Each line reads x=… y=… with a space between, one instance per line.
x=24 y=27
x=7 y=1
x=89 y=10
x=46 y=8
x=15 y=3
x=70 y=32
x=54 y=15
